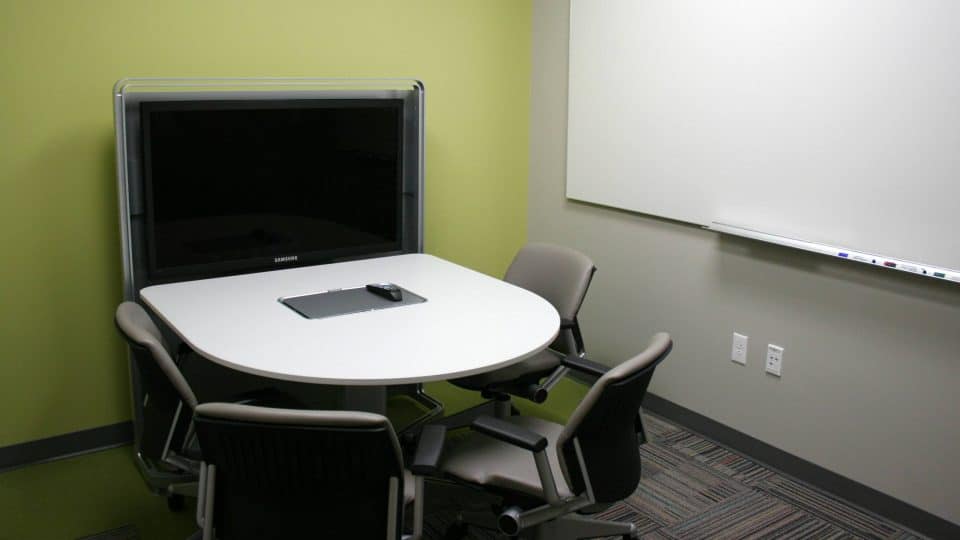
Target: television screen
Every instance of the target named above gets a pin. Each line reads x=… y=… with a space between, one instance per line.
x=246 y=185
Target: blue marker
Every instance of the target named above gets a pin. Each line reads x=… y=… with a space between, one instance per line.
x=842 y=254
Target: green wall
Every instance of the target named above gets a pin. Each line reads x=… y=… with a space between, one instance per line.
x=62 y=366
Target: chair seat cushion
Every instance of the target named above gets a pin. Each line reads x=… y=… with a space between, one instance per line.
x=540 y=364
x=482 y=460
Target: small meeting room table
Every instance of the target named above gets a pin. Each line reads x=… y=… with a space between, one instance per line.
x=468 y=323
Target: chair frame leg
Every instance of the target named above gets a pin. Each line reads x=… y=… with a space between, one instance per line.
x=466 y=417
x=435 y=409
x=209 y=490
x=418 y=504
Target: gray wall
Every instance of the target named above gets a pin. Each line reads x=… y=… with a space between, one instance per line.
x=871 y=365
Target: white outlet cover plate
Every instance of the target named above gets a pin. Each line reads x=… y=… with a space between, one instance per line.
x=774 y=364
x=739 y=352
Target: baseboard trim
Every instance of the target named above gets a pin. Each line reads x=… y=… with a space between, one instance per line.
x=114 y=435
x=861 y=495
x=65 y=446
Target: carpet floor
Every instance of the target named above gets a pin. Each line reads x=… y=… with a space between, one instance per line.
x=693 y=488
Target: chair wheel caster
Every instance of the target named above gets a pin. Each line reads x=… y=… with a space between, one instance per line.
x=175 y=503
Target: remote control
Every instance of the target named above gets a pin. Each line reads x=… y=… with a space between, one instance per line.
x=386 y=290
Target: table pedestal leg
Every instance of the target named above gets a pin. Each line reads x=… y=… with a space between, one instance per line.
x=365 y=398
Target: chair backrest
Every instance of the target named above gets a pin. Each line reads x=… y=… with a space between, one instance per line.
x=285 y=473
x=600 y=437
x=560 y=275
x=158 y=384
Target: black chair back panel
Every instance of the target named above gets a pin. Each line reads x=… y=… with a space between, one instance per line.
x=608 y=439
x=564 y=342
x=156 y=402
x=276 y=481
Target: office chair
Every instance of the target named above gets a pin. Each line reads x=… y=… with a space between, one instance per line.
x=162 y=431
x=551 y=475
x=164 y=445
x=284 y=473
x=561 y=276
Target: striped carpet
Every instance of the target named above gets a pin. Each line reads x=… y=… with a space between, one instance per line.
x=693 y=488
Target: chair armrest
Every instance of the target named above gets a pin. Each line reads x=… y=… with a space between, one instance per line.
x=583 y=365
x=429 y=448
x=509 y=433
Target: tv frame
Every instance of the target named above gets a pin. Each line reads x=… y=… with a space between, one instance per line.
x=129 y=93
x=252 y=264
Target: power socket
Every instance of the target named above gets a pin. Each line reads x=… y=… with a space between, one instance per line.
x=739 y=352
x=774 y=360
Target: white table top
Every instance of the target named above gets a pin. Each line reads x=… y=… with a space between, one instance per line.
x=470 y=323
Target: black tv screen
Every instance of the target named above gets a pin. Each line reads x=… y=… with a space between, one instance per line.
x=248 y=185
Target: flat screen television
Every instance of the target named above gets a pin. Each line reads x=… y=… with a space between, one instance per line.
x=239 y=185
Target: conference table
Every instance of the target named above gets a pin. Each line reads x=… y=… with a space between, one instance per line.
x=468 y=323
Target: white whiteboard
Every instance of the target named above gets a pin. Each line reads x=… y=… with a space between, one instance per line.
x=834 y=121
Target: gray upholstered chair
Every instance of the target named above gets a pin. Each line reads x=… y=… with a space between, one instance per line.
x=561 y=276
x=285 y=473
x=162 y=433
x=550 y=475
x=165 y=448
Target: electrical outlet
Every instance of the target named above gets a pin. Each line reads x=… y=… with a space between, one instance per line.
x=739 y=352
x=774 y=359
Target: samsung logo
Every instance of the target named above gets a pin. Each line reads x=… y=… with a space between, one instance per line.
x=288 y=258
